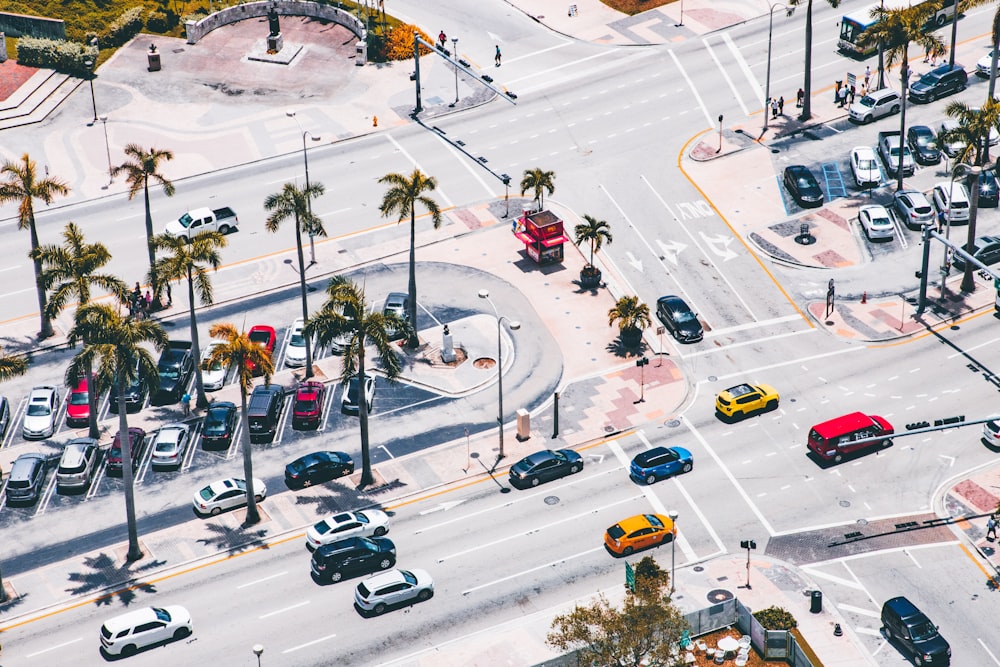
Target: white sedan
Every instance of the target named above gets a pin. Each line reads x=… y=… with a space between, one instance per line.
x=40 y=417
x=169 y=445
x=295 y=348
x=876 y=222
x=349 y=401
x=226 y=494
x=365 y=523
x=213 y=376
x=865 y=167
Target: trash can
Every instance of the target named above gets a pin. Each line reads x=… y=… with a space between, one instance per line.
x=816 y=602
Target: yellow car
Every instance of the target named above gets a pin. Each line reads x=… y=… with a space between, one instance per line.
x=746 y=399
x=639 y=532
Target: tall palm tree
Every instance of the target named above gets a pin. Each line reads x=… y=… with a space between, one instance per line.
x=24 y=186
x=538 y=181
x=293 y=203
x=895 y=29
x=996 y=53
x=807 y=84
x=143 y=167
x=973 y=130
x=12 y=365
x=113 y=347
x=241 y=353
x=401 y=199
x=961 y=6
x=190 y=260
x=595 y=232
x=331 y=323
x=70 y=271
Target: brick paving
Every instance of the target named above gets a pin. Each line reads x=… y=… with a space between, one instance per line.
x=12 y=76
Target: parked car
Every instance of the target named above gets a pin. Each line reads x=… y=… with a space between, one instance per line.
x=352 y=556
x=397 y=303
x=642 y=531
x=136 y=438
x=923 y=144
x=226 y=494
x=264 y=336
x=40 y=416
x=876 y=222
x=307 y=410
x=4 y=416
x=908 y=627
x=175 y=368
x=295 y=348
x=680 y=320
x=349 y=399
x=124 y=635
x=941 y=81
x=213 y=375
x=544 y=466
x=954 y=147
x=875 y=105
x=745 y=399
x=989 y=193
x=985 y=248
x=994 y=135
x=78 y=465
x=27 y=474
x=134 y=394
x=264 y=409
x=78 y=404
x=914 y=209
x=952 y=201
x=169 y=445
x=803 y=186
x=865 y=167
x=895 y=153
x=219 y=426
x=392 y=588
x=660 y=463
x=365 y=523
x=991 y=433
x=317 y=467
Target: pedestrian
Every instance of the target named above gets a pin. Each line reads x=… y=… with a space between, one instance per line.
x=170 y=297
x=843 y=96
x=443 y=39
x=851 y=98
x=868 y=75
x=186 y=404
x=935 y=52
x=800 y=98
x=496 y=58
x=781 y=105
x=149 y=300
x=927 y=54
x=774 y=108
x=991 y=528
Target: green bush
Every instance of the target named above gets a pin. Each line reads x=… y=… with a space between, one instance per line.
x=157 y=22
x=60 y=55
x=775 y=618
x=123 y=28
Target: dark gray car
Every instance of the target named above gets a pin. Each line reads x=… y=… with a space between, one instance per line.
x=909 y=628
x=24 y=484
x=680 y=320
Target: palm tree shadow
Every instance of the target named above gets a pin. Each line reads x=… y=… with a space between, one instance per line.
x=107 y=571
x=617 y=348
x=13 y=602
x=234 y=540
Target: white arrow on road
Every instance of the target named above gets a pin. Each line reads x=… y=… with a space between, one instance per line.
x=443 y=507
x=951 y=460
x=637 y=263
x=671 y=250
x=599 y=457
x=493 y=38
x=719 y=244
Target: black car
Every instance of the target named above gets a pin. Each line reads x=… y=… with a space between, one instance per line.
x=545 y=466
x=989 y=192
x=802 y=185
x=923 y=144
x=940 y=81
x=317 y=467
x=351 y=557
x=908 y=627
x=680 y=320
x=4 y=416
x=175 y=367
x=986 y=249
x=267 y=402
x=135 y=394
x=219 y=426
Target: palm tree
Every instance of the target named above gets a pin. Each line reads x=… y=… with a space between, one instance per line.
x=190 y=259
x=12 y=365
x=292 y=202
x=241 y=353
x=996 y=54
x=70 y=271
x=807 y=85
x=895 y=29
x=23 y=186
x=632 y=317
x=973 y=130
x=113 y=347
x=331 y=323
x=595 y=232
x=401 y=199
x=143 y=167
x=538 y=181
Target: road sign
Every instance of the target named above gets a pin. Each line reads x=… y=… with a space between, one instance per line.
x=630 y=576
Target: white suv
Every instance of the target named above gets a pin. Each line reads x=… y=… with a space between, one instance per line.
x=952 y=201
x=126 y=634
x=865 y=167
x=874 y=105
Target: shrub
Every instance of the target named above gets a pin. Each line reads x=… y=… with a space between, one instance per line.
x=157 y=22
x=775 y=618
x=123 y=28
x=58 y=54
x=399 y=44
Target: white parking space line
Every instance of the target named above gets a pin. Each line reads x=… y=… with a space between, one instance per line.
x=259 y=581
x=747 y=72
x=282 y=611
x=694 y=91
x=53 y=648
x=307 y=644
x=872 y=613
x=533 y=569
x=988 y=652
x=725 y=75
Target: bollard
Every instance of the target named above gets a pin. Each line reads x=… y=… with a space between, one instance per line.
x=816 y=602
x=837 y=632
x=864 y=297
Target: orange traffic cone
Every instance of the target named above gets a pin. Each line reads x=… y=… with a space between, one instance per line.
x=374 y=121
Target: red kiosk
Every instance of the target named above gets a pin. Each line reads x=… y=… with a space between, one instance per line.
x=542 y=236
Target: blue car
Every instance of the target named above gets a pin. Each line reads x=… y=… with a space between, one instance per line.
x=659 y=463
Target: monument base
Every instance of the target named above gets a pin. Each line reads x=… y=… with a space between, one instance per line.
x=275 y=42
x=260 y=53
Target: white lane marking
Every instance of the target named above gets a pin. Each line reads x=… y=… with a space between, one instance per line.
x=868 y=631
x=859 y=610
x=399 y=147
x=988 y=652
x=53 y=648
x=528 y=571
x=725 y=75
x=694 y=91
x=911 y=557
x=840 y=581
x=10 y=268
x=965 y=350
x=754 y=325
x=543 y=72
x=883 y=552
x=260 y=581
x=282 y=611
x=759 y=369
x=315 y=641
x=744 y=66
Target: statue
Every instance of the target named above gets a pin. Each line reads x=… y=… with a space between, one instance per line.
x=272 y=20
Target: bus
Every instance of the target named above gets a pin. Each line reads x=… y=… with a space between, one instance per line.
x=853 y=24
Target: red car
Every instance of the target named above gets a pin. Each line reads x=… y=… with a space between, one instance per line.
x=264 y=336
x=78 y=405
x=309 y=399
x=136 y=438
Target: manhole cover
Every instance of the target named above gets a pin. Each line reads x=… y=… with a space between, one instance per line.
x=712 y=378
x=862 y=522
x=674 y=423
x=844 y=503
x=698 y=568
x=718 y=595
x=609 y=428
x=484 y=362
x=551 y=500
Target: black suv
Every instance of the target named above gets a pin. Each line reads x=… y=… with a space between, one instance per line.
x=353 y=556
x=175 y=367
x=940 y=81
x=24 y=484
x=135 y=394
x=909 y=628
x=264 y=410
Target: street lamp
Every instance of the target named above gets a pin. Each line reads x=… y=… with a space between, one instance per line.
x=770 y=23
x=968 y=283
x=305 y=158
x=454 y=43
x=257 y=650
x=93 y=100
x=945 y=264
x=673 y=519
x=514 y=326
x=107 y=148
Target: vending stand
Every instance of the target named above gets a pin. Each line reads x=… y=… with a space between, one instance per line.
x=542 y=236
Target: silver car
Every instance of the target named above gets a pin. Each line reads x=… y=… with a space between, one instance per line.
x=393 y=587
x=40 y=417
x=78 y=464
x=914 y=208
x=169 y=446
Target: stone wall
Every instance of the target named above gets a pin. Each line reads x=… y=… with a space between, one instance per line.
x=16 y=25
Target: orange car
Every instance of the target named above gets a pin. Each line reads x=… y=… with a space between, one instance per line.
x=639 y=532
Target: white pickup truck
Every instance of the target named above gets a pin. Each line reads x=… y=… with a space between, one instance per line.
x=200 y=220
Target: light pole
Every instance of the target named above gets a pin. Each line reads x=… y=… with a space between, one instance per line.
x=454 y=43
x=770 y=24
x=514 y=326
x=107 y=148
x=305 y=158
x=945 y=264
x=93 y=100
x=257 y=650
x=673 y=518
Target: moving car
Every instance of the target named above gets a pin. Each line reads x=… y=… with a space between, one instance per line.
x=545 y=466
x=746 y=399
x=349 y=399
x=317 y=467
x=865 y=167
x=365 y=523
x=27 y=473
x=834 y=439
x=265 y=336
x=952 y=201
x=941 y=81
x=908 y=627
x=307 y=411
x=985 y=248
x=984 y=64
x=876 y=222
x=398 y=304
x=78 y=404
x=219 y=427
x=213 y=375
x=40 y=416
x=874 y=105
x=295 y=348
x=392 y=588
x=136 y=437
x=660 y=463
x=124 y=635
x=353 y=556
x=639 y=532
x=802 y=185
x=914 y=208
x=680 y=320
x=923 y=144
x=78 y=464
x=989 y=192
x=169 y=445
x=226 y=494
x=991 y=433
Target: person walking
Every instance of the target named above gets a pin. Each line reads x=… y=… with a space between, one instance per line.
x=991 y=528
x=800 y=98
x=442 y=39
x=186 y=404
x=781 y=105
x=850 y=99
x=843 y=96
x=496 y=58
x=868 y=76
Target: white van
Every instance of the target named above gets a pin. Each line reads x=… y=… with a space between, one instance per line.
x=126 y=634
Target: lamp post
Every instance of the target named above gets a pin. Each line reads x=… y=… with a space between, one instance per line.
x=257 y=650
x=305 y=159
x=673 y=518
x=767 y=81
x=107 y=148
x=454 y=44
x=514 y=326
x=93 y=100
x=945 y=264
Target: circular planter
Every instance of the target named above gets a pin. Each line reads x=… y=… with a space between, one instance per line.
x=590 y=277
